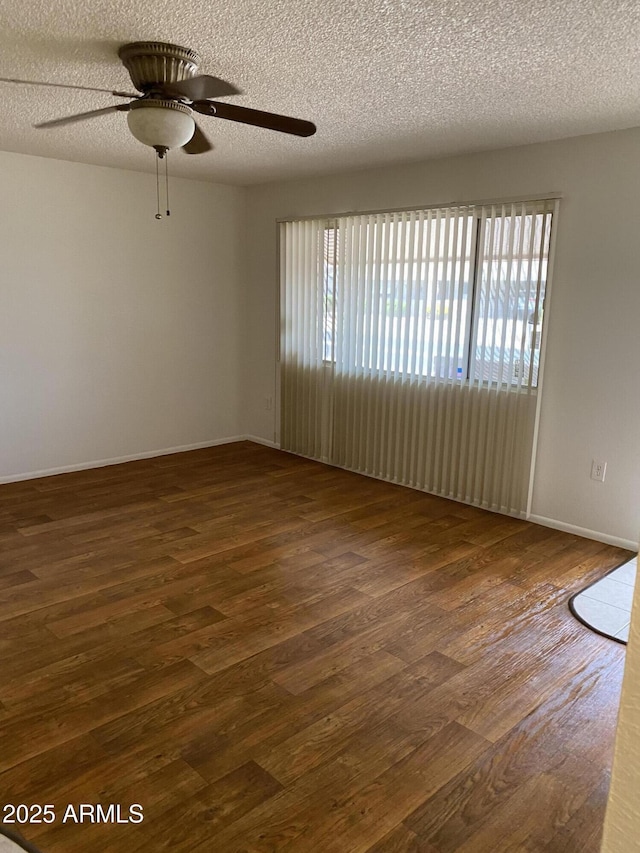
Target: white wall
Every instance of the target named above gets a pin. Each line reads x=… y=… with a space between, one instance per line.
x=119 y=334
x=591 y=407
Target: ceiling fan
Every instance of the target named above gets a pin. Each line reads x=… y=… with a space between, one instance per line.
x=161 y=116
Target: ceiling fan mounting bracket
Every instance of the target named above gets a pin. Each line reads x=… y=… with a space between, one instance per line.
x=151 y=63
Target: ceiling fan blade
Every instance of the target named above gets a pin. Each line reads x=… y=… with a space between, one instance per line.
x=66 y=86
x=200 y=87
x=271 y=121
x=58 y=122
x=198 y=144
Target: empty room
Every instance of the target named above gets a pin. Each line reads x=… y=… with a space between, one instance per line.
x=319 y=458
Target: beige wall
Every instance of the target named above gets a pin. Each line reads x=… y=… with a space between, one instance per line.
x=590 y=407
x=119 y=334
x=622 y=821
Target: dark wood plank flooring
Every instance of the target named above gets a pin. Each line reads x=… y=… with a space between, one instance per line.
x=269 y=654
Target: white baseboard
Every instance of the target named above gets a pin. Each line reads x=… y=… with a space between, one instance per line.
x=117 y=460
x=584 y=531
x=257 y=440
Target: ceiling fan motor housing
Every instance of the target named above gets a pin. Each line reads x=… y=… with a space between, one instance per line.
x=151 y=63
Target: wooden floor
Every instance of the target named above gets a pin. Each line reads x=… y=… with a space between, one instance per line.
x=269 y=654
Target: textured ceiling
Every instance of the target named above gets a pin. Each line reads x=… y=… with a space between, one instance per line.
x=384 y=80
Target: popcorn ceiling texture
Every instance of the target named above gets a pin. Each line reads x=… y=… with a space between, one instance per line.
x=384 y=80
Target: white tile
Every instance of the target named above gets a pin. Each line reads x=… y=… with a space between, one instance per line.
x=626 y=573
x=623 y=634
x=611 y=592
x=603 y=617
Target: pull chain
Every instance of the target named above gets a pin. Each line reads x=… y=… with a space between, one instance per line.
x=166 y=180
x=158 y=214
x=162 y=154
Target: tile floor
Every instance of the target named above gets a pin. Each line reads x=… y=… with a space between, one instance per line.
x=606 y=605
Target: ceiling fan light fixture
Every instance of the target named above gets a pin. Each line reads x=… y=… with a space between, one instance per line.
x=161 y=124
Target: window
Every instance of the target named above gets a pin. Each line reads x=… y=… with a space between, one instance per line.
x=509 y=308
x=410 y=345
x=446 y=295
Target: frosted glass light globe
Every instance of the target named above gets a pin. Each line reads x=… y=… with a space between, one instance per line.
x=161 y=124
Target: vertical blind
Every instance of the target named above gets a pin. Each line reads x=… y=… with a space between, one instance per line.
x=410 y=345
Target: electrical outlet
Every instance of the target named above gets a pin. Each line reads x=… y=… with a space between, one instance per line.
x=598 y=470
